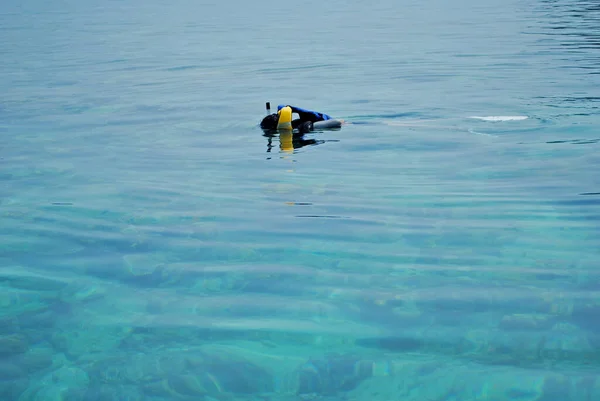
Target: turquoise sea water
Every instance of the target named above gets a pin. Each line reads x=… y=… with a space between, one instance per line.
x=442 y=246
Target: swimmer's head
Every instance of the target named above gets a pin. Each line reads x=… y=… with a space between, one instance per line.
x=270 y=122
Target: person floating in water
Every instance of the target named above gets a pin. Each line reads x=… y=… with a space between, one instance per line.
x=308 y=120
x=291 y=131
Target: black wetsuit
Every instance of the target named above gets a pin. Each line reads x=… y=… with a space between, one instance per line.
x=300 y=124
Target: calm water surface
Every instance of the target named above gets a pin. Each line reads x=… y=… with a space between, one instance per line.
x=442 y=246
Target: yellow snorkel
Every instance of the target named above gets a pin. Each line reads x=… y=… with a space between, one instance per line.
x=285 y=118
x=284 y=126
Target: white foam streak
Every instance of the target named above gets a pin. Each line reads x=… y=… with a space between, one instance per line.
x=500 y=118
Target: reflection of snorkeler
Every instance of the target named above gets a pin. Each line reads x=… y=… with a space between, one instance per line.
x=291 y=132
x=288 y=141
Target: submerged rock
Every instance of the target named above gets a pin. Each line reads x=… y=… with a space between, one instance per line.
x=11 y=389
x=134 y=367
x=145 y=270
x=332 y=374
x=183 y=387
x=77 y=342
x=556 y=386
x=231 y=373
x=82 y=293
x=12 y=345
x=8 y=325
x=189 y=385
x=15 y=302
x=73 y=376
x=419 y=380
x=181 y=374
x=37 y=320
x=56 y=392
x=568 y=342
x=9 y=370
x=525 y=322
x=32 y=282
x=222 y=372
x=64 y=384
x=595 y=390
x=114 y=393
x=160 y=388
x=36 y=359
x=406 y=381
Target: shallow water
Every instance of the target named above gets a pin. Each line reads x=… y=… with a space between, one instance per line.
x=443 y=245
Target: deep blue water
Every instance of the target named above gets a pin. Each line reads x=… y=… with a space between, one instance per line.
x=442 y=246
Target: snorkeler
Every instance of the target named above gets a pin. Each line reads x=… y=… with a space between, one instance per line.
x=308 y=120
